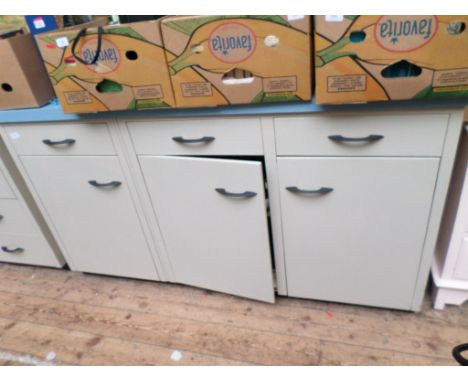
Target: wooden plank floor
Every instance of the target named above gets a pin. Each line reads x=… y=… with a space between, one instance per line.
x=60 y=317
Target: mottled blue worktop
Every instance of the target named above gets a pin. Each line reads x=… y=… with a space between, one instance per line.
x=53 y=111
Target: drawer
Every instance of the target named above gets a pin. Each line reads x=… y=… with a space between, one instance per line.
x=461 y=269
x=210 y=136
x=5 y=190
x=16 y=219
x=88 y=202
x=61 y=139
x=27 y=249
x=366 y=135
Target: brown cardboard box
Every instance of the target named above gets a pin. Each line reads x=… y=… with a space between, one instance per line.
x=360 y=59
x=221 y=60
x=130 y=71
x=23 y=79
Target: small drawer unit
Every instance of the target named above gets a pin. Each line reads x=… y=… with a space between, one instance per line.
x=210 y=136
x=90 y=138
x=415 y=135
x=27 y=249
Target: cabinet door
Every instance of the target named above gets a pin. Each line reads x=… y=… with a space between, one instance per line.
x=354 y=228
x=215 y=237
x=97 y=223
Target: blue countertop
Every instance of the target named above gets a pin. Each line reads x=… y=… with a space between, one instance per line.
x=53 y=111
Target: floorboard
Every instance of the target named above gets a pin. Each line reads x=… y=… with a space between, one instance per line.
x=50 y=316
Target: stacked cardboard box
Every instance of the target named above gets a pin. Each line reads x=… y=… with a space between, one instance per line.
x=381 y=58
x=23 y=79
x=222 y=60
x=113 y=67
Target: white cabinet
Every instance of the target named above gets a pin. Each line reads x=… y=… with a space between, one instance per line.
x=212 y=215
x=89 y=204
x=354 y=228
x=450 y=268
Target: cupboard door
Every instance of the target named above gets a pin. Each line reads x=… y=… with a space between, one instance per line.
x=213 y=219
x=91 y=208
x=354 y=228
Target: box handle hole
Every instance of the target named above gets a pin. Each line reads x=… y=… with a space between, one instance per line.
x=108 y=86
x=357 y=36
x=131 y=55
x=401 y=69
x=7 y=87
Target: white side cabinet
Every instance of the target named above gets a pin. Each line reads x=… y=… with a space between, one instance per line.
x=450 y=267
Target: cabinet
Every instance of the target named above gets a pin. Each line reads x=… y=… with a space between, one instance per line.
x=450 y=267
x=354 y=228
x=76 y=175
x=354 y=200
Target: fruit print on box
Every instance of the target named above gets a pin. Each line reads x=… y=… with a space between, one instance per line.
x=220 y=60
x=378 y=58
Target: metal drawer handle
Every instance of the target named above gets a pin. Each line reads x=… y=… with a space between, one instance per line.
x=16 y=250
x=196 y=140
x=113 y=184
x=319 y=191
x=246 y=194
x=67 y=142
x=370 y=138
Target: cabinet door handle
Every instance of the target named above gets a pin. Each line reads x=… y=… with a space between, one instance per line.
x=196 y=140
x=16 y=250
x=113 y=184
x=246 y=194
x=67 y=142
x=319 y=191
x=370 y=138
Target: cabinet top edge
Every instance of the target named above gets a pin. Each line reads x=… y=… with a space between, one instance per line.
x=53 y=111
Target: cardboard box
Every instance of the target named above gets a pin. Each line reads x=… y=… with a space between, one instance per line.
x=24 y=82
x=221 y=60
x=360 y=59
x=129 y=70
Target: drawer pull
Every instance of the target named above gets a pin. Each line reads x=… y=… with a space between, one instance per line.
x=113 y=184
x=319 y=191
x=370 y=138
x=196 y=140
x=246 y=194
x=67 y=142
x=16 y=250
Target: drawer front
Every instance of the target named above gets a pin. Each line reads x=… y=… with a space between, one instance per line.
x=96 y=222
x=16 y=219
x=367 y=135
x=26 y=249
x=354 y=228
x=61 y=139
x=461 y=269
x=5 y=190
x=210 y=136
